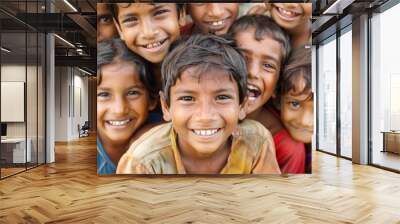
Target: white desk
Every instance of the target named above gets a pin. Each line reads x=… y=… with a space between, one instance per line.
x=18 y=149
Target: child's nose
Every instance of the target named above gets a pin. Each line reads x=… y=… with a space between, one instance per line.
x=215 y=10
x=119 y=106
x=307 y=119
x=149 y=29
x=205 y=111
x=253 y=70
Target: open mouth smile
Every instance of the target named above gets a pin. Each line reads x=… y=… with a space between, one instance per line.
x=287 y=14
x=253 y=92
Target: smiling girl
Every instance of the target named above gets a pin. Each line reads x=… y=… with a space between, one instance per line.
x=124 y=98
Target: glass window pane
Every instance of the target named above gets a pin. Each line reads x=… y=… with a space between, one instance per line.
x=31 y=97
x=41 y=99
x=327 y=96
x=385 y=86
x=13 y=84
x=346 y=94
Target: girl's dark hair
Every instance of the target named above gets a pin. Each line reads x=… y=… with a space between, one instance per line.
x=297 y=70
x=205 y=52
x=114 y=51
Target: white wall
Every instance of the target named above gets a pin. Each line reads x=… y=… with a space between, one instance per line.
x=71 y=94
x=61 y=103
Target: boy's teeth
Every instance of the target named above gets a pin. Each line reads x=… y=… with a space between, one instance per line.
x=118 y=123
x=252 y=88
x=153 y=45
x=216 y=23
x=207 y=132
x=286 y=12
x=252 y=98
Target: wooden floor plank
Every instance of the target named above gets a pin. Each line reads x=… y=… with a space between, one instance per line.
x=69 y=191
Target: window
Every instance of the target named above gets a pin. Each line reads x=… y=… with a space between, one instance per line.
x=326 y=96
x=385 y=86
x=346 y=95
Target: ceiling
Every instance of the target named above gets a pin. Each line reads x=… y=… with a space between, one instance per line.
x=332 y=15
x=35 y=17
x=18 y=17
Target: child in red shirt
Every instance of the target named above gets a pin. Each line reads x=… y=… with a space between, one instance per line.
x=266 y=47
x=296 y=98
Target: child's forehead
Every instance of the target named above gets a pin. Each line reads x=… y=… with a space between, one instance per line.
x=206 y=71
x=141 y=6
x=300 y=92
x=119 y=65
x=258 y=35
x=267 y=46
x=120 y=76
x=205 y=74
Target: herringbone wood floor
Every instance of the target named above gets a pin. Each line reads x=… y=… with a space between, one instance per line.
x=70 y=192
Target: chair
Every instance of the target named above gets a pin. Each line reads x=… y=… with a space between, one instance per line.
x=84 y=130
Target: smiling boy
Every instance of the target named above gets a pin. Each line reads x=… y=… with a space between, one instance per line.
x=266 y=47
x=215 y=18
x=294 y=18
x=148 y=29
x=204 y=98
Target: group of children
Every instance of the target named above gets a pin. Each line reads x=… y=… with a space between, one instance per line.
x=219 y=94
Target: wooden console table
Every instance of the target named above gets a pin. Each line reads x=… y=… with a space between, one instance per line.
x=391 y=141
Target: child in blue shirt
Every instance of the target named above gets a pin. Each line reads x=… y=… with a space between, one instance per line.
x=125 y=97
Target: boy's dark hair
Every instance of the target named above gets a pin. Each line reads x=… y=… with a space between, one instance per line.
x=114 y=51
x=297 y=70
x=264 y=26
x=206 y=52
x=180 y=9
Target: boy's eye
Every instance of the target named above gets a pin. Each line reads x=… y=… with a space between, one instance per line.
x=268 y=66
x=294 y=104
x=186 y=98
x=161 y=12
x=133 y=93
x=130 y=21
x=223 y=97
x=103 y=94
x=105 y=19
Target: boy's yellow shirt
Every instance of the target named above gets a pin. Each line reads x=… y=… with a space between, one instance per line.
x=156 y=152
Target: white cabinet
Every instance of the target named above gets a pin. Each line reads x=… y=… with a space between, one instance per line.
x=17 y=146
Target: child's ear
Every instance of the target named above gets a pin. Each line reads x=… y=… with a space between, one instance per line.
x=182 y=15
x=165 y=108
x=116 y=24
x=153 y=104
x=243 y=109
x=273 y=95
